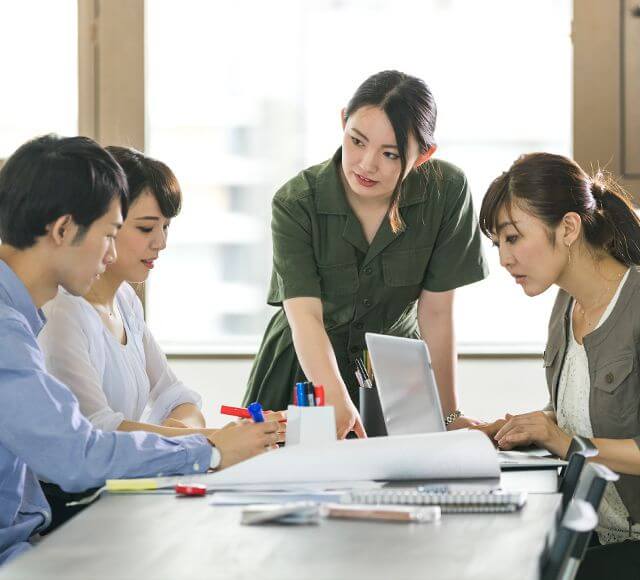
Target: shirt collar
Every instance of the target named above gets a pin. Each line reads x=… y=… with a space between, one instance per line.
x=332 y=199
x=15 y=293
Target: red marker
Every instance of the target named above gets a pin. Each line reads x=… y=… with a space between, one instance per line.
x=235 y=411
x=191 y=489
x=318 y=392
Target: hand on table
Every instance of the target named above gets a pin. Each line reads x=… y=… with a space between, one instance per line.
x=536 y=428
x=491 y=429
x=347 y=416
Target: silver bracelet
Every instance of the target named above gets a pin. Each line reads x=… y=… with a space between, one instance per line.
x=451 y=417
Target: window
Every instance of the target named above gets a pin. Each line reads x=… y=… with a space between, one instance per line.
x=237 y=107
x=38 y=44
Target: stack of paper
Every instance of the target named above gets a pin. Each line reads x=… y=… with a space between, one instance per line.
x=452 y=455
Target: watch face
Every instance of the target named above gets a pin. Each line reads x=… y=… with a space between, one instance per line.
x=215 y=457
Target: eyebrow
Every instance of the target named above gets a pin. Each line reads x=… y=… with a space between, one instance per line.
x=365 y=138
x=504 y=225
x=149 y=217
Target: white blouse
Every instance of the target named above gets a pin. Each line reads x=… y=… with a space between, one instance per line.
x=113 y=382
x=574 y=418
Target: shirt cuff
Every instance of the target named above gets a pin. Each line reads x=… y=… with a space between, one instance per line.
x=216 y=457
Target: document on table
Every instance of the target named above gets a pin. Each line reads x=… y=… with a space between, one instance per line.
x=451 y=455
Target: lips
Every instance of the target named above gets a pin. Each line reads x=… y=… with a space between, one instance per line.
x=363 y=181
x=148 y=263
x=519 y=278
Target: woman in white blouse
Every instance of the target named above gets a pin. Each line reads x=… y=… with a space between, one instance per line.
x=100 y=347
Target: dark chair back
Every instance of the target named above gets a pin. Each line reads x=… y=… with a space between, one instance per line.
x=583 y=449
x=579 y=518
x=591 y=488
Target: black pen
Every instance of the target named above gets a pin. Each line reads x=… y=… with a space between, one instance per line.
x=367 y=383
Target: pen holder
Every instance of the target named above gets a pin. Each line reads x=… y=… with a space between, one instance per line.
x=371 y=413
x=308 y=425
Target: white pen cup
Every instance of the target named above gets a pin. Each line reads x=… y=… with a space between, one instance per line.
x=310 y=425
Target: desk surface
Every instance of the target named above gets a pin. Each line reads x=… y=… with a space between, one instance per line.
x=161 y=536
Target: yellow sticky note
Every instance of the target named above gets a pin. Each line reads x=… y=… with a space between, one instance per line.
x=130 y=484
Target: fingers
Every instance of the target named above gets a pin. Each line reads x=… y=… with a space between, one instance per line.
x=515 y=439
x=358 y=428
x=270 y=440
x=531 y=421
x=280 y=416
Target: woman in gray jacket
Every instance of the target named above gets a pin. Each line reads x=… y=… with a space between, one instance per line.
x=553 y=224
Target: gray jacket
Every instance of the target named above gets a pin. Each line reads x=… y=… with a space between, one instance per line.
x=613 y=354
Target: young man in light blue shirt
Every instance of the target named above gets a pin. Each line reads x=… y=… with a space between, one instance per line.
x=61 y=204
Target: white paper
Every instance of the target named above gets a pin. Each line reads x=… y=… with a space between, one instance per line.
x=452 y=455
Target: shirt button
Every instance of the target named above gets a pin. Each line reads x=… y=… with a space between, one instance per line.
x=196 y=467
x=358 y=325
x=355 y=349
x=368 y=271
x=609 y=378
x=366 y=302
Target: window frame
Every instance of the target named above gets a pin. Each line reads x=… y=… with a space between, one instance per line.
x=111 y=101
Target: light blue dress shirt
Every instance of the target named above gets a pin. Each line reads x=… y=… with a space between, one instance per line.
x=43 y=434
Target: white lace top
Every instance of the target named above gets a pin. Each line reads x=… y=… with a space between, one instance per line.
x=573 y=417
x=113 y=382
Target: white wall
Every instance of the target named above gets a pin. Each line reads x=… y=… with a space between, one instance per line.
x=487 y=388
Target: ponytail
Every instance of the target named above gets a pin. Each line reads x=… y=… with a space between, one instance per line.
x=613 y=225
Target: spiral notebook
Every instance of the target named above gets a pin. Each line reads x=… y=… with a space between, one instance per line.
x=457 y=502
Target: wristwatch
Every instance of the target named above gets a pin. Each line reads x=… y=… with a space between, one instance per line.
x=451 y=417
x=216 y=457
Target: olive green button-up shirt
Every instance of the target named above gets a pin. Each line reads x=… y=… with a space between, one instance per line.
x=319 y=250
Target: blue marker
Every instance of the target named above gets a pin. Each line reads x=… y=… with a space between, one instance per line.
x=256 y=412
x=301 y=390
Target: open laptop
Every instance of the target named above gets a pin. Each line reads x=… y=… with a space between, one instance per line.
x=406 y=384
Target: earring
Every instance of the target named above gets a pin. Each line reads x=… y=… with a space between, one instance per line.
x=569 y=252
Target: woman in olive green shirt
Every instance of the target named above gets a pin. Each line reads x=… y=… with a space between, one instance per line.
x=375 y=239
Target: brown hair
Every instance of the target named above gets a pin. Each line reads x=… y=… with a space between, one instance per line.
x=550 y=186
x=145 y=173
x=409 y=104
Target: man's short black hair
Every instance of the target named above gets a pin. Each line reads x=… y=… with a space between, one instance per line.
x=49 y=177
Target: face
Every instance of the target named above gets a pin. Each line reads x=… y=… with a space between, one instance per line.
x=527 y=252
x=82 y=260
x=370 y=159
x=142 y=238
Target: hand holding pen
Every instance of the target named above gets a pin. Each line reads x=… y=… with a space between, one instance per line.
x=266 y=416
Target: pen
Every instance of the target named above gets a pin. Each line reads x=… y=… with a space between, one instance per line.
x=256 y=412
x=310 y=397
x=366 y=381
x=301 y=391
x=385 y=513
x=318 y=391
x=235 y=411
